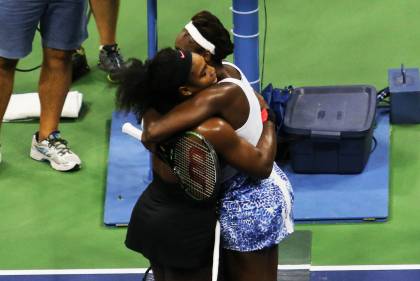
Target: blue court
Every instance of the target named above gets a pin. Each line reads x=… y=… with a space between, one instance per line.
x=347 y=198
x=318 y=198
x=363 y=273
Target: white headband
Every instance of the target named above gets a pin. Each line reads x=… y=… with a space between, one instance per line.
x=196 y=35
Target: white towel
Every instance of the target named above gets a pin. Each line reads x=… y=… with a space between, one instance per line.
x=27 y=106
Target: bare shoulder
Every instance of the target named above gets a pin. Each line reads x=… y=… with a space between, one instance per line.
x=218 y=93
x=229 y=87
x=225 y=86
x=233 y=72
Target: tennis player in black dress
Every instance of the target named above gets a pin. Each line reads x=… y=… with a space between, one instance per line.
x=172 y=230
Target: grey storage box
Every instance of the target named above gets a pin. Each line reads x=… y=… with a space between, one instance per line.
x=331 y=128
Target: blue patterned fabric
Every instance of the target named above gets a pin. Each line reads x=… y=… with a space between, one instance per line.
x=255 y=214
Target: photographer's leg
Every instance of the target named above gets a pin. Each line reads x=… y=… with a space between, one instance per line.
x=7 y=74
x=106 y=17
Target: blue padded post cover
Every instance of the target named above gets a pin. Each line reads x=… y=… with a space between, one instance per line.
x=246 y=39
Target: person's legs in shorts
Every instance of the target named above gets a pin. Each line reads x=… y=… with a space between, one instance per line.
x=18 y=21
x=63 y=30
x=7 y=73
x=106 y=18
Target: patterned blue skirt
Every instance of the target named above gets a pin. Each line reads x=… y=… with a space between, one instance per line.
x=255 y=214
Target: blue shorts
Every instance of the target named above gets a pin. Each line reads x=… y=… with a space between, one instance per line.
x=62 y=24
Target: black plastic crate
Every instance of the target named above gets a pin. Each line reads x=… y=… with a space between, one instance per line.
x=331 y=128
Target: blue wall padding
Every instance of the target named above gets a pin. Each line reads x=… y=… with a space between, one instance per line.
x=128 y=172
x=358 y=197
x=246 y=39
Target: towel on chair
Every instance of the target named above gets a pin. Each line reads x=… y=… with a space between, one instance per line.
x=27 y=106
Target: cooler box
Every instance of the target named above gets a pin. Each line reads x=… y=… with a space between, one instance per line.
x=330 y=128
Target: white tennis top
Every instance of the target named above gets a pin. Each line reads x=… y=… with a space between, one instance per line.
x=251 y=130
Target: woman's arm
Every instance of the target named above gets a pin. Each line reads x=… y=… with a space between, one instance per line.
x=190 y=113
x=237 y=152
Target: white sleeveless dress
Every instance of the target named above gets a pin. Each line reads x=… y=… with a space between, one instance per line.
x=254 y=214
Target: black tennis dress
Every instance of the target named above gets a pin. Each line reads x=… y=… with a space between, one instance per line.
x=170 y=229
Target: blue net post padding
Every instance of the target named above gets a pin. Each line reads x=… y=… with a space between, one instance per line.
x=246 y=39
x=151 y=28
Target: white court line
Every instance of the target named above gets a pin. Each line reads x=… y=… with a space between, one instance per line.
x=367 y=267
x=143 y=270
x=73 y=271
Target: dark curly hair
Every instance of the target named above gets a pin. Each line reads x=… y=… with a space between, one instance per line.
x=214 y=31
x=152 y=84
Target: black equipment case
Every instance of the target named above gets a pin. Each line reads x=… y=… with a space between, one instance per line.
x=330 y=128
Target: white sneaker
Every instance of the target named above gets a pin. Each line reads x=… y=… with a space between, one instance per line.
x=55 y=150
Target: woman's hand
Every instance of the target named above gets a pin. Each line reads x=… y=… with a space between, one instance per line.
x=151 y=146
